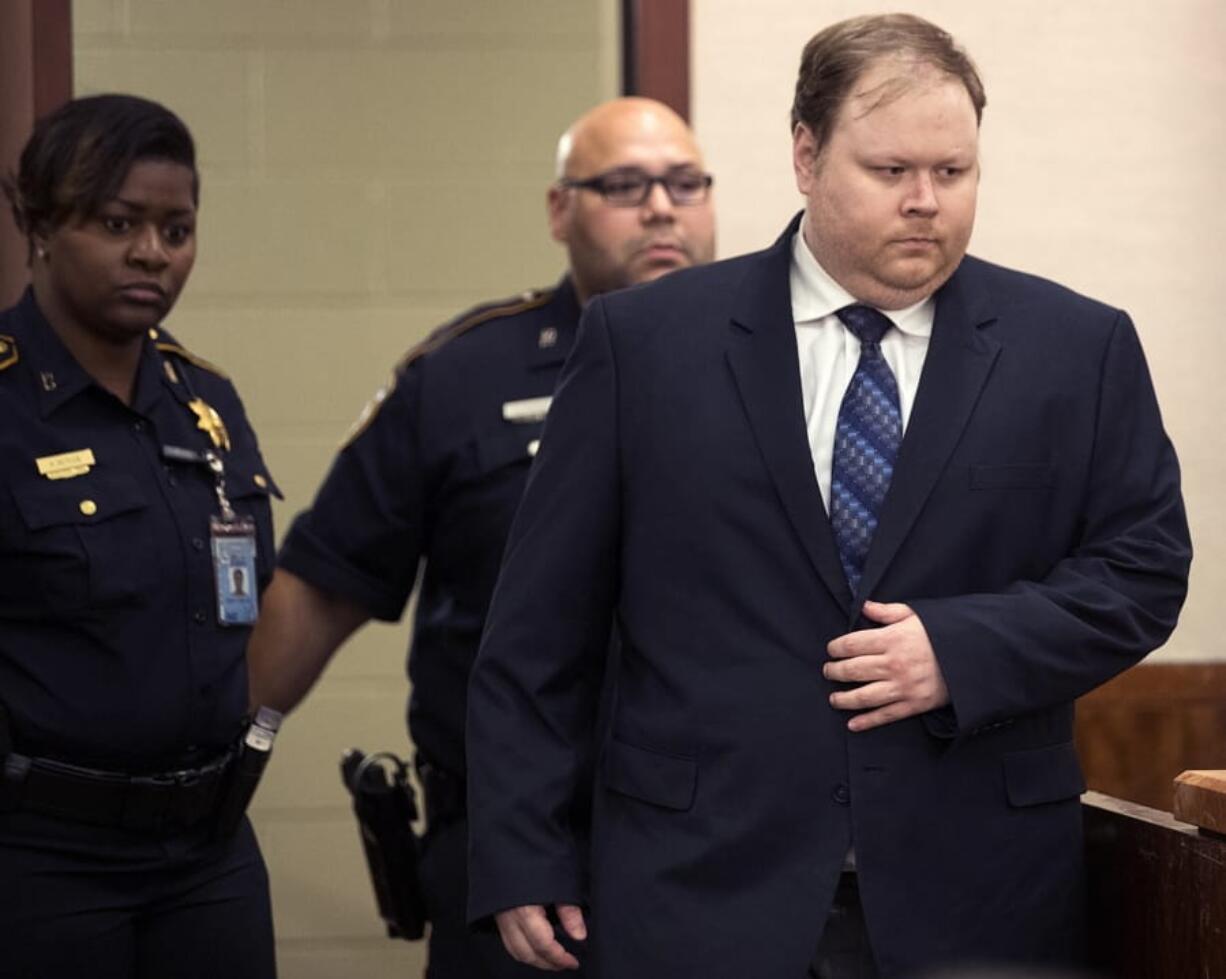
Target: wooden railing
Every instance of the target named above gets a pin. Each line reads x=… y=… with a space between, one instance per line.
x=1158 y=882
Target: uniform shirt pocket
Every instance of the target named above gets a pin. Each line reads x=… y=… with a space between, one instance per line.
x=87 y=541
x=509 y=447
x=250 y=488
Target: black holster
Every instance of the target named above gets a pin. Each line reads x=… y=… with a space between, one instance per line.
x=241 y=782
x=385 y=806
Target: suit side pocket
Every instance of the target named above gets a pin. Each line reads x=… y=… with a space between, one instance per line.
x=1039 y=775
x=651 y=776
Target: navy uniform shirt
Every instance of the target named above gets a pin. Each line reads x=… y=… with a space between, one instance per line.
x=110 y=651
x=434 y=474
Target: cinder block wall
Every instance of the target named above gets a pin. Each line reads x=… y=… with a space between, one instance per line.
x=370 y=168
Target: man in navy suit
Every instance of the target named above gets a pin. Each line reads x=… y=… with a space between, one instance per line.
x=869 y=515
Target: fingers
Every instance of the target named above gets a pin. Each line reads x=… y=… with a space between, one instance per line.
x=528 y=937
x=886 y=613
x=894 y=666
x=571 y=917
x=882 y=716
x=866 y=697
x=865 y=642
x=857 y=669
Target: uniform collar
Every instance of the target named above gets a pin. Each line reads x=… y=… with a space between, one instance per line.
x=57 y=375
x=554 y=329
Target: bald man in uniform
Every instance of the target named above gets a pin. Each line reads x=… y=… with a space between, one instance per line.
x=436 y=467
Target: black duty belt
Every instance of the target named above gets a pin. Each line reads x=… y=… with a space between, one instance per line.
x=142 y=803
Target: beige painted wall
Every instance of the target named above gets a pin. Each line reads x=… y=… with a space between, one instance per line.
x=370 y=168
x=1103 y=145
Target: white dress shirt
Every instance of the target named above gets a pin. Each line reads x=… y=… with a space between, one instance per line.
x=829 y=352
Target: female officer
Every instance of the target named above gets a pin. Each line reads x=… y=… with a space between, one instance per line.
x=131 y=492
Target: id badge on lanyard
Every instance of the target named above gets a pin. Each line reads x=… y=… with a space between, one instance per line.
x=232 y=543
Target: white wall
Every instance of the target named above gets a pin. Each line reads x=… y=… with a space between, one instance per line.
x=1104 y=143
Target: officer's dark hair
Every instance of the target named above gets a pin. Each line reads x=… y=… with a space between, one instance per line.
x=78 y=157
x=837 y=57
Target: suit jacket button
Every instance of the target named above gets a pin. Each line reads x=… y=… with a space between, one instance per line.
x=841 y=794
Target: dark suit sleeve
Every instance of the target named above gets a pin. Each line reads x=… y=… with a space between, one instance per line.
x=1112 y=600
x=533 y=692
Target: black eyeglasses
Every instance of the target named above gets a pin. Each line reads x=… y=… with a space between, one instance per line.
x=631 y=187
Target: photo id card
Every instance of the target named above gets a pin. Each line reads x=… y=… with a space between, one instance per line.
x=233 y=545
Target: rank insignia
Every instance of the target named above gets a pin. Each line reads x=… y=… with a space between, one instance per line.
x=208 y=421
x=8 y=352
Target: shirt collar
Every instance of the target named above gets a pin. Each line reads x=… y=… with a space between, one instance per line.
x=553 y=335
x=58 y=377
x=816 y=295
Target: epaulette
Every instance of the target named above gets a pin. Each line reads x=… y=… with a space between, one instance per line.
x=168 y=347
x=8 y=352
x=525 y=301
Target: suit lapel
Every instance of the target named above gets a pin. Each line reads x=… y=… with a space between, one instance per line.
x=959 y=359
x=762 y=355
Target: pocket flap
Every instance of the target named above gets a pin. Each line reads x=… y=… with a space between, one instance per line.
x=1011 y=477
x=512 y=445
x=81 y=500
x=652 y=776
x=249 y=478
x=1041 y=775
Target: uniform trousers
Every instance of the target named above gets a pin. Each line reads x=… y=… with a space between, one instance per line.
x=80 y=900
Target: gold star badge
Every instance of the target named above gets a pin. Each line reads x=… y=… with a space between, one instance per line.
x=207 y=420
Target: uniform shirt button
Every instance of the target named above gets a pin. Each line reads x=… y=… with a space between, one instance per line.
x=841 y=794
x=138 y=426
x=198 y=616
x=198 y=543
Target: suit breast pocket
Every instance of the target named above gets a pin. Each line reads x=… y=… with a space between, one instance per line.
x=85 y=543
x=1012 y=477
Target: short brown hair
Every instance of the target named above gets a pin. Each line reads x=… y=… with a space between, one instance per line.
x=835 y=58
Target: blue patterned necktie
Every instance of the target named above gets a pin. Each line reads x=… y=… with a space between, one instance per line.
x=865 y=443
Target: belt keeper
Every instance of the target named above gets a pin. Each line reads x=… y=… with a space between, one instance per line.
x=16 y=768
x=15 y=771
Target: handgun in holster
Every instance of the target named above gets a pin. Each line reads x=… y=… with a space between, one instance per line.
x=385 y=806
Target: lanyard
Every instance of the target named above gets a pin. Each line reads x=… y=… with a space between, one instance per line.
x=231 y=536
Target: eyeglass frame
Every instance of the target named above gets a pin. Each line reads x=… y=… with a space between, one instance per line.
x=598 y=182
